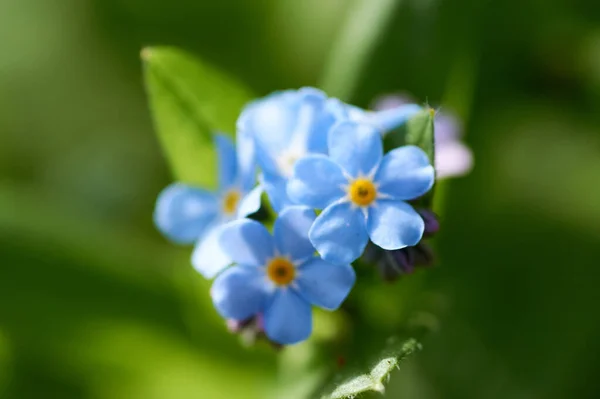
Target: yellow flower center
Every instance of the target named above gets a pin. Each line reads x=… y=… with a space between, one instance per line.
x=362 y=192
x=230 y=201
x=281 y=271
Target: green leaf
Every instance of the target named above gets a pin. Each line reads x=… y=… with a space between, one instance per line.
x=419 y=131
x=190 y=100
x=379 y=373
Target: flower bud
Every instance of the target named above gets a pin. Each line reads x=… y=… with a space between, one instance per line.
x=432 y=224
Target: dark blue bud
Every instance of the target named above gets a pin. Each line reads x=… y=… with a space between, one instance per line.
x=422 y=255
x=432 y=224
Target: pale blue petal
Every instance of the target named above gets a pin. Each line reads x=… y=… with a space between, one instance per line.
x=384 y=120
x=250 y=203
x=271 y=122
x=288 y=318
x=339 y=234
x=356 y=147
x=227 y=159
x=322 y=118
x=183 y=213
x=291 y=232
x=337 y=108
x=239 y=292
x=247 y=242
x=209 y=258
x=391 y=119
x=289 y=122
x=405 y=173
x=317 y=182
x=275 y=187
x=394 y=224
x=324 y=284
x=246 y=159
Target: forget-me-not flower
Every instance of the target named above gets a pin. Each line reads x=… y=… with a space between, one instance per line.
x=278 y=276
x=186 y=214
x=285 y=127
x=362 y=192
x=288 y=125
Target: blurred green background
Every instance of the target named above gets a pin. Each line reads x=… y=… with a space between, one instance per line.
x=94 y=303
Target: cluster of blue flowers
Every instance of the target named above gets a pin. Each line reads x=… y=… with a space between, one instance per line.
x=307 y=152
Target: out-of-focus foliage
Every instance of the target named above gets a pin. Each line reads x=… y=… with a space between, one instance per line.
x=96 y=304
x=189 y=102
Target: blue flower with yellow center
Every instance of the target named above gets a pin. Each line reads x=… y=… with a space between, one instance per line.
x=286 y=126
x=187 y=214
x=362 y=193
x=278 y=276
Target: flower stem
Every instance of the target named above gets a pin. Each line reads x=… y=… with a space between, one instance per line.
x=365 y=23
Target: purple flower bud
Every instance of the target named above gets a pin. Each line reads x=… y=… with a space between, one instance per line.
x=394 y=264
x=432 y=224
x=251 y=330
x=401 y=260
x=236 y=326
x=422 y=255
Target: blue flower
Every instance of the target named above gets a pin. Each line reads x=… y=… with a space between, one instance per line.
x=288 y=125
x=362 y=193
x=278 y=276
x=186 y=214
x=285 y=127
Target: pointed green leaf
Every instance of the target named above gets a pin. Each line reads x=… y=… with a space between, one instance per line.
x=373 y=379
x=190 y=100
x=419 y=131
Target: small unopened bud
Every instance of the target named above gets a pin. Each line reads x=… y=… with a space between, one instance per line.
x=432 y=224
x=422 y=255
x=394 y=264
x=251 y=330
x=236 y=326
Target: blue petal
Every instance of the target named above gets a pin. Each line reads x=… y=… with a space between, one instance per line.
x=183 y=213
x=227 y=161
x=338 y=109
x=271 y=122
x=288 y=318
x=405 y=173
x=250 y=203
x=357 y=148
x=239 y=292
x=391 y=119
x=275 y=187
x=349 y=112
x=290 y=121
x=209 y=257
x=394 y=224
x=339 y=234
x=246 y=159
x=324 y=284
x=291 y=232
x=247 y=242
x=317 y=182
x=384 y=120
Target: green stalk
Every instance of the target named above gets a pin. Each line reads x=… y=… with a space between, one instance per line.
x=365 y=23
